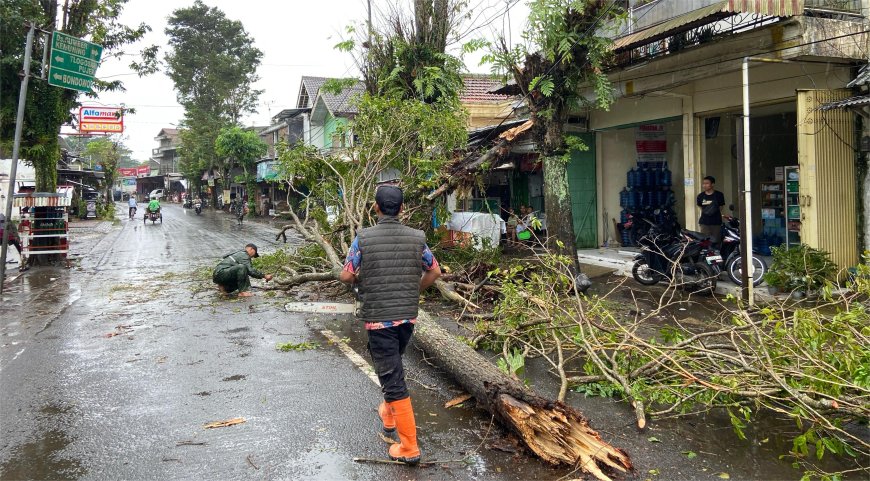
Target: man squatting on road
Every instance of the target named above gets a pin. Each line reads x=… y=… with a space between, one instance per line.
x=386 y=262
x=232 y=272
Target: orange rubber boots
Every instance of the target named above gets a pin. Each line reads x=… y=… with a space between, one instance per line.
x=406 y=450
x=386 y=414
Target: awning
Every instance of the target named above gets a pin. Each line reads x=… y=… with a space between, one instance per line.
x=706 y=15
x=858 y=101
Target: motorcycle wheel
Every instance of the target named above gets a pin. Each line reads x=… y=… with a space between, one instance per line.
x=706 y=279
x=643 y=274
x=759 y=267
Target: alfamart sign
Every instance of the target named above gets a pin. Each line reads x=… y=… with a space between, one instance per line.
x=101 y=119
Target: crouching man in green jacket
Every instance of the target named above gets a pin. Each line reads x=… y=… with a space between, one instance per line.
x=232 y=272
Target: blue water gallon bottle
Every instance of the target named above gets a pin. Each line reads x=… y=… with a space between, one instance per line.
x=623 y=197
x=667 y=180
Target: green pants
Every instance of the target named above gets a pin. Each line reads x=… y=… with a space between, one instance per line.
x=233 y=278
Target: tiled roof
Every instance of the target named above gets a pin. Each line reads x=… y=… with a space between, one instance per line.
x=343 y=103
x=478 y=88
x=310 y=85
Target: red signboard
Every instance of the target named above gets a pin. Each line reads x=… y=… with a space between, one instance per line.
x=143 y=171
x=101 y=119
x=127 y=172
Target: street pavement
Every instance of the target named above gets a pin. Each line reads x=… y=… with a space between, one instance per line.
x=110 y=370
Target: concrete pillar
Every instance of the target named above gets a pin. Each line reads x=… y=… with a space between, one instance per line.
x=691 y=163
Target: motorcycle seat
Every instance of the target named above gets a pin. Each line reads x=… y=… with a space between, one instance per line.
x=694 y=235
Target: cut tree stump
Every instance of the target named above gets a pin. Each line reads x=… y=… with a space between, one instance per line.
x=555 y=432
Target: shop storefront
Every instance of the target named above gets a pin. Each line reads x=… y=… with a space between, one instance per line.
x=639 y=165
x=774 y=172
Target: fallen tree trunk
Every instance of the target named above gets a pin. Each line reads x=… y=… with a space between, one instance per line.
x=555 y=432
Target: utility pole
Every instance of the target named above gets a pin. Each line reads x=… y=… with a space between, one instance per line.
x=370 y=23
x=16 y=147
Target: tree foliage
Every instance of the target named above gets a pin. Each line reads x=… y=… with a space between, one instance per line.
x=107 y=153
x=49 y=107
x=213 y=64
x=394 y=137
x=244 y=148
x=565 y=51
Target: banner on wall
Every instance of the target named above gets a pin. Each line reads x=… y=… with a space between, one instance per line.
x=651 y=143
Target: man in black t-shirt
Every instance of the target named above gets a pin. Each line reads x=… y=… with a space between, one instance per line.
x=711 y=201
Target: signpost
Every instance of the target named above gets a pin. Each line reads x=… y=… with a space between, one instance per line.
x=73 y=62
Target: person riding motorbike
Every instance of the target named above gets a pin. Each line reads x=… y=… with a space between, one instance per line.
x=154 y=205
x=131 y=203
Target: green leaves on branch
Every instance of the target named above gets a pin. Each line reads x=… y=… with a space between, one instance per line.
x=544 y=84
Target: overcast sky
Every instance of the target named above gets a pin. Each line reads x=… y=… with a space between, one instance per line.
x=297 y=38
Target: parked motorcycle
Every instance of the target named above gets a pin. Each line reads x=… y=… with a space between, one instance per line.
x=684 y=257
x=734 y=259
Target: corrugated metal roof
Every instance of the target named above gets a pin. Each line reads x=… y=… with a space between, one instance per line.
x=863 y=77
x=706 y=15
x=857 y=101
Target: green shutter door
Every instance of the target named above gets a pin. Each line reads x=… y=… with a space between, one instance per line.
x=581 y=184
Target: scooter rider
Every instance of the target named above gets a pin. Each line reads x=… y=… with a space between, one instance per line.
x=154 y=205
x=131 y=202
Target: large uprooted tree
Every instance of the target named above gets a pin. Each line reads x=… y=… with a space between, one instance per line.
x=564 y=51
x=410 y=127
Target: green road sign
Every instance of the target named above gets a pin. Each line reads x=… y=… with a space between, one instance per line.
x=73 y=62
x=69 y=80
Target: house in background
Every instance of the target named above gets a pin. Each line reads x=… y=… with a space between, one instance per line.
x=287 y=128
x=484 y=107
x=164 y=163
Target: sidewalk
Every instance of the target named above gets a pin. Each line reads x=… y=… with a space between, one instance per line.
x=620 y=261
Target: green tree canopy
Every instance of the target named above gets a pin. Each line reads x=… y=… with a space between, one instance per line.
x=49 y=107
x=244 y=147
x=213 y=63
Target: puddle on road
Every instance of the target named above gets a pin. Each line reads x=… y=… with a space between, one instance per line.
x=43 y=459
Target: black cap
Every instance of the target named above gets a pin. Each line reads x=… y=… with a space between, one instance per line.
x=389 y=198
x=252 y=246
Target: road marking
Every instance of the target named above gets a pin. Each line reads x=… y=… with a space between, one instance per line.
x=355 y=358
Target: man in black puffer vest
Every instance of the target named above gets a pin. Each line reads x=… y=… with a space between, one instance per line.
x=391 y=265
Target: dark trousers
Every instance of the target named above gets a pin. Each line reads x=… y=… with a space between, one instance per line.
x=387 y=347
x=233 y=278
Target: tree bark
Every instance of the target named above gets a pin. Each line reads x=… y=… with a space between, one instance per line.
x=557 y=202
x=555 y=432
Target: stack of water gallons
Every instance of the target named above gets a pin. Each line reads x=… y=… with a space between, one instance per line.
x=648 y=189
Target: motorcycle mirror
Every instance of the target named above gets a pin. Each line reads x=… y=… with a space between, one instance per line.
x=731 y=207
x=657 y=211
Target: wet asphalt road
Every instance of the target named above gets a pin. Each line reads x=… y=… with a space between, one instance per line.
x=110 y=370
x=107 y=367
